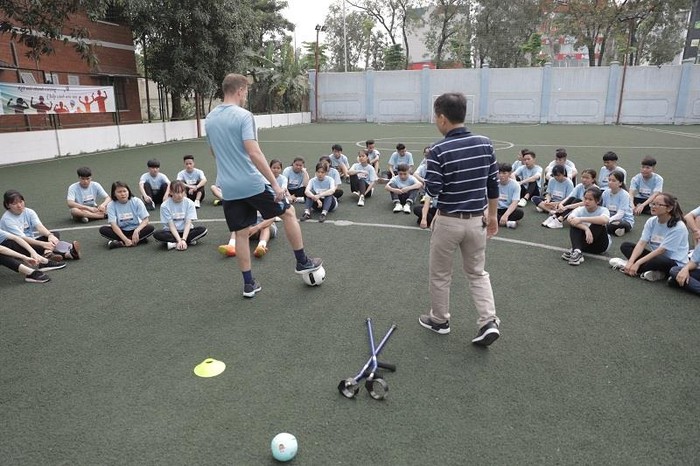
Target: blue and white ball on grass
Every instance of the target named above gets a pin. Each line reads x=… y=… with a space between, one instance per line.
x=314 y=278
x=284 y=447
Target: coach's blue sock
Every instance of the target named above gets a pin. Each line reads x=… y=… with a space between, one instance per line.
x=247 y=277
x=301 y=256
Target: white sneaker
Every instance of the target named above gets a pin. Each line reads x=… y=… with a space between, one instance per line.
x=172 y=246
x=653 y=275
x=539 y=209
x=197 y=204
x=522 y=202
x=619 y=231
x=300 y=200
x=547 y=221
x=511 y=224
x=554 y=223
x=397 y=207
x=617 y=264
x=361 y=202
x=84 y=219
x=277 y=219
x=407 y=208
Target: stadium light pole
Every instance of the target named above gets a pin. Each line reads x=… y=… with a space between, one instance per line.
x=318 y=28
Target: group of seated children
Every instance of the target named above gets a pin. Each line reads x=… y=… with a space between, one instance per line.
x=595 y=214
x=27 y=246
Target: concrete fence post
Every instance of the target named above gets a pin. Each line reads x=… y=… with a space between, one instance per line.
x=546 y=95
x=484 y=94
x=369 y=95
x=426 y=97
x=611 y=99
x=683 y=92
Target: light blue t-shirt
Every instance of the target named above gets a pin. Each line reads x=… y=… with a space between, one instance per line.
x=191 y=179
x=578 y=191
x=86 y=196
x=524 y=173
x=673 y=240
x=3 y=236
x=155 y=181
x=340 y=160
x=24 y=224
x=395 y=160
x=645 y=188
x=617 y=203
x=696 y=212
x=127 y=216
x=582 y=212
x=333 y=173
x=282 y=181
x=294 y=180
x=398 y=183
x=604 y=174
x=559 y=190
x=422 y=168
x=508 y=193
x=317 y=186
x=569 y=166
x=228 y=126
x=517 y=164
x=696 y=255
x=365 y=172
x=178 y=212
x=373 y=155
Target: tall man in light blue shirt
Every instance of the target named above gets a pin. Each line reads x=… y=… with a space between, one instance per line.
x=247 y=183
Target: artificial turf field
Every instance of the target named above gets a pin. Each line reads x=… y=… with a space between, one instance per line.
x=593 y=367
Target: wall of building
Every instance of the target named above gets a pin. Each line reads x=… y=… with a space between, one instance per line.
x=114 y=48
x=41 y=145
x=651 y=95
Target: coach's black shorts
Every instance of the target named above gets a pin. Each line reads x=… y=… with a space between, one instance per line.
x=242 y=213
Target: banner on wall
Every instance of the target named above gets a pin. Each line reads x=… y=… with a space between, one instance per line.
x=55 y=99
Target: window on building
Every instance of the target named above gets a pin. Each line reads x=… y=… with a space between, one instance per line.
x=73 y=80
x=28 y=78
x=119 y=85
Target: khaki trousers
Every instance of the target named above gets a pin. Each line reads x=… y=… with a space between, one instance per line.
x=469 y=235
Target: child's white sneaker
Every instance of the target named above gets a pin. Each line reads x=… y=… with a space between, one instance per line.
x=407 y=208
x=397 y=207
x=522 y=202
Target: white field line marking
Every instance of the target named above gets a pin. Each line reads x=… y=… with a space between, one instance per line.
x=346 y=223
x=664 y=131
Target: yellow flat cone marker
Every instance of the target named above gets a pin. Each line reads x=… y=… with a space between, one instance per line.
x=209 y=368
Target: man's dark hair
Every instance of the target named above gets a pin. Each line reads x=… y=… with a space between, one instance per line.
x=337 y=147
x=84 y=172
x=453 y=105
x=649 y=161
x=610 y=155
x=505 y=168
x=153 y=163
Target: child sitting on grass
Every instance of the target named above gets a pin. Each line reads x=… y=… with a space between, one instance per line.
x=662 y=246
x=588 y=232
x=403 y=189
x=177 y=214
x=319 y=194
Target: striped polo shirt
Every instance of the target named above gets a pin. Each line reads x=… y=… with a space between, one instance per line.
x=462 y=172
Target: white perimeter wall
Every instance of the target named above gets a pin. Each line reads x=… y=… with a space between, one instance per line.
x=41 y=145
x=651 y=95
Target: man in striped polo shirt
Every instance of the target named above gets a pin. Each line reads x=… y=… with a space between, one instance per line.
x=462 y=173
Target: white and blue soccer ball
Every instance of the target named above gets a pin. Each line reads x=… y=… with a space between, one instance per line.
x=314 y=278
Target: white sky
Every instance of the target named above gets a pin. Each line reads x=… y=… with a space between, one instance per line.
x=306 y=14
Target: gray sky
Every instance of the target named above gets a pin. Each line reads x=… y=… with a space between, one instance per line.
x=306 y=14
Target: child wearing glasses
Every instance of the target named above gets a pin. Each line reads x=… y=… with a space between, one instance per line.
x=662 y=246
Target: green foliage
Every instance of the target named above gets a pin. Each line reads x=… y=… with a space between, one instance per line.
x=500 y=28
x=394 y=57
x=446 y=24
x=37 y=25
x=280 y=83
x=364 y=45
